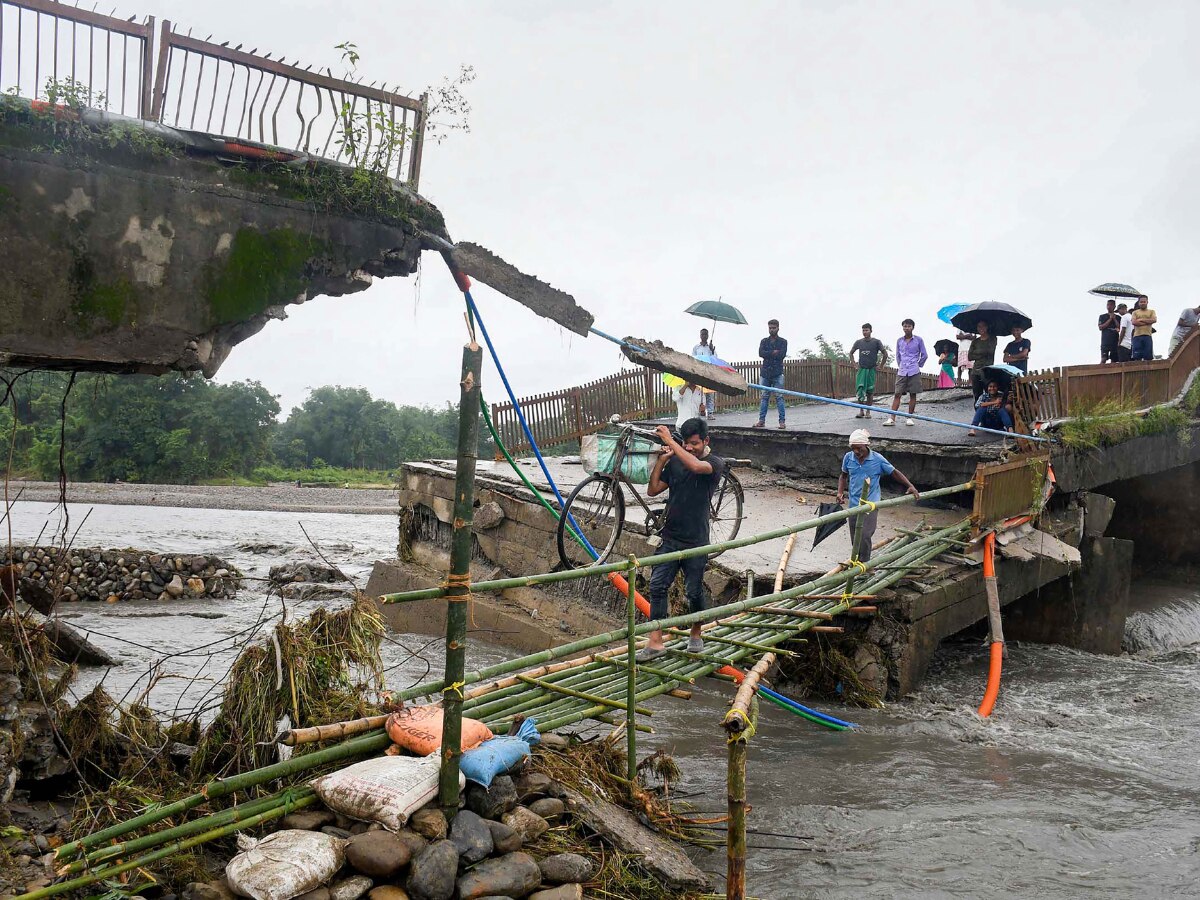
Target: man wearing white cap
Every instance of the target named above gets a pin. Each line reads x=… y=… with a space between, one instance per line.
x=859 y=465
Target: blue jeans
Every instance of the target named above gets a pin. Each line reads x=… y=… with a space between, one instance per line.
x=1143 y=347
x=775 y=382
x=663 y=576
x=996 y=418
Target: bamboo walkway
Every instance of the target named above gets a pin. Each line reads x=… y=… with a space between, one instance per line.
x=595 y=685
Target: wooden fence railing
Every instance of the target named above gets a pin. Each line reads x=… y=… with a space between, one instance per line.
x=1004 y=490
x=568 y=414
x=1069 y=390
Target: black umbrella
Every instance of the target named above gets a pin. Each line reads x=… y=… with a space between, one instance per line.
x=945 y=345
x=1001 y=317
x=1115 y=289
x=1002 y=374
x=825 y=529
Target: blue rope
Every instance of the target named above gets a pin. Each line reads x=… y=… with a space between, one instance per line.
x=512 y=397
x=803 y=396
x=852 y=405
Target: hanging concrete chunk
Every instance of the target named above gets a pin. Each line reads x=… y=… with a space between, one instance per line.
x=656 y=355
x=551 y=303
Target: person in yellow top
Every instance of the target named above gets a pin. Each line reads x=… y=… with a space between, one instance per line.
x=1143 y=329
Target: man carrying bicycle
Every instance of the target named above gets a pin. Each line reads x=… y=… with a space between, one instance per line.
x=692 y=472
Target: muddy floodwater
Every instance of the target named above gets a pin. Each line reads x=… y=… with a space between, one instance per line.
x=1085 y=782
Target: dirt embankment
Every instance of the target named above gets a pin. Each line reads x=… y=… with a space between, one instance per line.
x=277 y=498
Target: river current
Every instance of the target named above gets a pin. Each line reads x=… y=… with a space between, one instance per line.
x=1084 y=783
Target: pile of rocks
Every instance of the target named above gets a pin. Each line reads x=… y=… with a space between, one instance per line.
x=481 y=854
x=112 y=575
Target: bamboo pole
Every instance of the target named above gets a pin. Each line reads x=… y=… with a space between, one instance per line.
x=504 y=584
x=224 y=817
x=458 y=588
x=580 y=695
x=332 y=731
x=170 y=850
x=223 y=787
x=797 y=613
x=739 y=725
x=631 y=678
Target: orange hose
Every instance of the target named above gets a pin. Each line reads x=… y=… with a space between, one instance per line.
x=618 y=581
x=996 y=660
x=993 y=682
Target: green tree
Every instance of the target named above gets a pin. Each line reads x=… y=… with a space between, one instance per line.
x=825 y=350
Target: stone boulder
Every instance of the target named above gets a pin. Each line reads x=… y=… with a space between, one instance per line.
x=432 y=873
x=379 y=854
x=510 y=875
x=471 y=835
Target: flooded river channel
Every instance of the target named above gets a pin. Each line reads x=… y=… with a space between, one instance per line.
x=1084 y=783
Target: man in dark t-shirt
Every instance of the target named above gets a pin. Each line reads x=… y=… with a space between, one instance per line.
x=691 y=472
x=1016 y=352
x=869 y=350
x=1110 y=333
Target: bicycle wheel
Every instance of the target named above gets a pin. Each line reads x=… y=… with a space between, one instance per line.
x=597 y=508
x=725 y=510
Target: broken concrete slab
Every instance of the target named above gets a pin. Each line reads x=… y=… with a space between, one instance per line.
x=658 y=356
x=549 y=302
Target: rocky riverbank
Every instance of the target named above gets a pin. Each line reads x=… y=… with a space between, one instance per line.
x=112 y=575
x=275 y=497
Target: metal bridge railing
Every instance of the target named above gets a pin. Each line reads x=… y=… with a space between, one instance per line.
x=57 y=53
x=54 y=52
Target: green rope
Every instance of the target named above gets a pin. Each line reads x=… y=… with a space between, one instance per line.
x=483 y=407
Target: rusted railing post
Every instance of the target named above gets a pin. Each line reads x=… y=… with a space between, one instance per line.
x=458 y=585
x=739 y=724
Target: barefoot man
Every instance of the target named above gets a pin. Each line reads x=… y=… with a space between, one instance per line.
x=692 y=473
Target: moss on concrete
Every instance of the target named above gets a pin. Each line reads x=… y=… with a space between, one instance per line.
x=262 y=269
x=98 y=305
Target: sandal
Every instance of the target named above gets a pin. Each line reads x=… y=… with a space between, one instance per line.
x=646 y=654
x=759 y=425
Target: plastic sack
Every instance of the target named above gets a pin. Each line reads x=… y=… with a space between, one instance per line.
x=418 y=729
x=598 y=453
x=386 y=790
x=500 y=754
x=286 y=864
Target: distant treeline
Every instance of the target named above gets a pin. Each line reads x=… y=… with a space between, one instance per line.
x=184 y=429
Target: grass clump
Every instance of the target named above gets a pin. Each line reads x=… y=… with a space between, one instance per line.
x=324 y=669
x=1113 y=420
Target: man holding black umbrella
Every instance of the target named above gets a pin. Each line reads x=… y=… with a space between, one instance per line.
x=860 y=466
x=1110 y=332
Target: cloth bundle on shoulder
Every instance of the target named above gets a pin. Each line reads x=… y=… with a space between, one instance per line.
x=386 y=790
x=418 y=729
x=285 y=864
x=500 y=754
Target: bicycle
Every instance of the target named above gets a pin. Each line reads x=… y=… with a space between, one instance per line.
x=596 y=507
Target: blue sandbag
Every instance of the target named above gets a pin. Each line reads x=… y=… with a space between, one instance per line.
x=499 y=755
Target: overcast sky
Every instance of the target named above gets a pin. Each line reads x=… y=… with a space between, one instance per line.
x=826 y=163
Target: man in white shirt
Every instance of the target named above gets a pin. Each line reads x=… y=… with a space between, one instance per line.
x=1125 y=345
x=689 y=401
x=1188 y=320
x=706 y=349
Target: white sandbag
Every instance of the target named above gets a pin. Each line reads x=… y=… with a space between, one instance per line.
x=385 y=790
x=286 y=864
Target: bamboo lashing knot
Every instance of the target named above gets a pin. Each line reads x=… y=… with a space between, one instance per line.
x=857 y=564
x=464 y=581
x=457 y=688
x=747 y=726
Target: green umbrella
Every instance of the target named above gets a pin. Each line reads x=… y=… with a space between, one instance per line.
x=718 y=311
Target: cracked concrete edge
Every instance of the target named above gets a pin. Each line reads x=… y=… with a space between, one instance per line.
x=658 y=356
